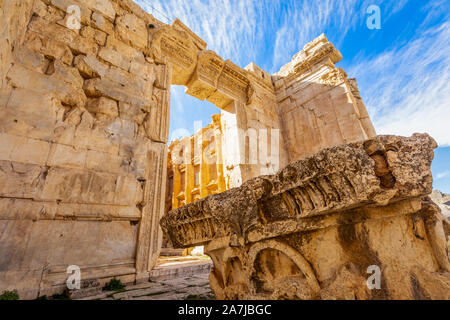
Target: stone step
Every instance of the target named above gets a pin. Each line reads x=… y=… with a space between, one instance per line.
x=180 y=269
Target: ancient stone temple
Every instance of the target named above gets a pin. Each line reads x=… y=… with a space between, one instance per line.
x=194 y=170
x=84 y=122
x=195 y=165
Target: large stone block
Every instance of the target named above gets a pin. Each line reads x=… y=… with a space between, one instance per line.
x=150 y=234
x=67 y=93
x=31 y=59
x=79 y=186
x=90 y=137
x=90 y=66
x=132 y=30
x=97 y=35
x=27 y=209
x=114 y=57
x=157 y=124
x=89 y=187
x=84 y=136
x=105 y=7
x=64 y=5
x=106 y=162
x=22 y=149
x=38 y=112
x=66 y=156
x=64 y=35
x=100 y=22
x=19 y=180
x=127 y=51
x=127 y=80
x=25 y=282
x=49 y=47
x=104 y=106
x=52 y=246
x=105 y=87
x=14 y=16
x=96 y=212
x=67 y=74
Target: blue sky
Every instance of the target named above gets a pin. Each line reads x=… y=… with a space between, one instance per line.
x=403 y=69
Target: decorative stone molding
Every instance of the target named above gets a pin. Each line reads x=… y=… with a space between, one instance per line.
x=177 y=24
x=334 y=78
x=206 y=76
x=313 y=53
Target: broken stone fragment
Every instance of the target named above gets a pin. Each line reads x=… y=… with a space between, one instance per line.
x=316 y=228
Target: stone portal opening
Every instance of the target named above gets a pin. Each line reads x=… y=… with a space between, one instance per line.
x=194 y=161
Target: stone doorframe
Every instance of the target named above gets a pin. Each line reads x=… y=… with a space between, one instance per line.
x=181 y=58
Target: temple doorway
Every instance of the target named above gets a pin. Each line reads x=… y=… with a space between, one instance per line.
x=194 y=166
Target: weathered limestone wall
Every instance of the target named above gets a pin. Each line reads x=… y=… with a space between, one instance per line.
x=312 y=230
x=318 y=105
x=14 y=16
x=84 y=123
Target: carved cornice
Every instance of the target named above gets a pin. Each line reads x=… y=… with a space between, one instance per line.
x=313 y=53
x=303 y=66
x=205 y=73
x=372 y=173
x=199 y=42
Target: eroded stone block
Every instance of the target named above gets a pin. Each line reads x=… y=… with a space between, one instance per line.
x=103 y=105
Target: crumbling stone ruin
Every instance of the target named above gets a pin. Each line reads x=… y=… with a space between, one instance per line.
x=316 y=228
x=84 y=122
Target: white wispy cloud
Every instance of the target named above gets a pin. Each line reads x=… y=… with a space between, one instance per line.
x=406 y=87
x=442 y=175
x=305 y=20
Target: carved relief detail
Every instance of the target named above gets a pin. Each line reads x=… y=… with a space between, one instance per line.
x=334 y=78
